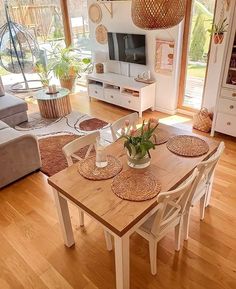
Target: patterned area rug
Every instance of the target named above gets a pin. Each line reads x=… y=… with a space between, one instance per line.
x=75 y=123
x=53 y=159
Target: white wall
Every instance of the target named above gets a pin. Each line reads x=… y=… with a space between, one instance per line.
x=216 y=62
x=167 y=85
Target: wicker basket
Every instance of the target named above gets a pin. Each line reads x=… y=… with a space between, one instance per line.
x=202 y=120
x=157 y=14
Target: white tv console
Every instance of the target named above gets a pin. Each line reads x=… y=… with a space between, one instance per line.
x=122 y=90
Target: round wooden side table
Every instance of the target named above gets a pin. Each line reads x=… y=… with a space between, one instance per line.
x=54 y=105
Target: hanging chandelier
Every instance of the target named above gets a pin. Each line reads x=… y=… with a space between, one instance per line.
x=157 y=14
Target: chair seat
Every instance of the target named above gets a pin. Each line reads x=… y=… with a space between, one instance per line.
x=147 y=226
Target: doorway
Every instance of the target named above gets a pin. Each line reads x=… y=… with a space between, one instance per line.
x=196 y=46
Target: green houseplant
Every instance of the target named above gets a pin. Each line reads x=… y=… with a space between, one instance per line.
x=218 y=31
x=139 y=142
x=67 y=64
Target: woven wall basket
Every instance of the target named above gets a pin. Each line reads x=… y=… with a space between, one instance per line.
x=157 y=14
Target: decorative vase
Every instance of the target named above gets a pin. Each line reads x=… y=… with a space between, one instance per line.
x=218 y=38
x=137 y=162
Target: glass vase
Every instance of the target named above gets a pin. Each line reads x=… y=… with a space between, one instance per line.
x=137 y=162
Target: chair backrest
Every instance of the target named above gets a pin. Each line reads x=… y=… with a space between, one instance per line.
x=172 y=204
x=71 y=148
x=206 y=169
x=120 y=123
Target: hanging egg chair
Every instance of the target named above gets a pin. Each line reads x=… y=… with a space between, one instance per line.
x=18 y=48
x=157 y=14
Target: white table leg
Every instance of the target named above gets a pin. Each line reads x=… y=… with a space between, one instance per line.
x=122 y=262
x=64 y=219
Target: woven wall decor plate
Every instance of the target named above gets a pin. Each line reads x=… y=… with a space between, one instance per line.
x=135 y=186
x=87 y=168
x=101 y=34
x=95 y=13
x=187 y=146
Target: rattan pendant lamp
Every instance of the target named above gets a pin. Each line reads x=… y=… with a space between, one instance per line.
x=157 y=14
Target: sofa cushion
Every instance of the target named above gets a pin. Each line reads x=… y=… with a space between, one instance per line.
x=3 y=125
x=8 y=134
x=10 y=105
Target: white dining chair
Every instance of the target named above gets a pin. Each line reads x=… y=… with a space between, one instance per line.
x=169 y=215
x=203 y=188
x=120 y=123
x=73 y=147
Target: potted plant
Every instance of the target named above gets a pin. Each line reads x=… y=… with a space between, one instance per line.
x=218 y=31
x=139 y=142
x=66 y=65
x=43 y=72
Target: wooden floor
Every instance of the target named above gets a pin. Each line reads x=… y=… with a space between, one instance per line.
x=32 y=254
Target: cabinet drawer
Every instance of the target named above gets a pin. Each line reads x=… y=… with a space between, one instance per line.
x=227 y=106
x=95 y=91
x=226 y=124
x=131 y=102
x=112 y=96
x=228 y=93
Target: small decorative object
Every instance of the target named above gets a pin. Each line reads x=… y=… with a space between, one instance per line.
x=99 y=68
x=139 y=143
x=95 y=13
x=164 y=56
x=202 y=120
x=218 y=31
x=101 y=34
x=157 y=14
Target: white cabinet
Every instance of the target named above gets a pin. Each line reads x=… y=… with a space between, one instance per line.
x=225 y=111
x=122 y=90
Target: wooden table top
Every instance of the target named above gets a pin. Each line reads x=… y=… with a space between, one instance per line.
x=97 y=198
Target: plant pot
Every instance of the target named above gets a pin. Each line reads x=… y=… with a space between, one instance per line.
x=68 y=83
x=138 y=163
x=218 y=38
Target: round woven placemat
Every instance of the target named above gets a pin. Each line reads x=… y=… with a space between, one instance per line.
x=160 y=136
x=133 y=186
x=87 y=168
x=187 y=146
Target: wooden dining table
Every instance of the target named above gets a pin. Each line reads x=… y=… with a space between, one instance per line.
x=121 y=217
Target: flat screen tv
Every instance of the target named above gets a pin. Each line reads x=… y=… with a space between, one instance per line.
x=127 y=47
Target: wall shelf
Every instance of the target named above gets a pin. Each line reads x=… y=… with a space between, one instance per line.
x=108 y=6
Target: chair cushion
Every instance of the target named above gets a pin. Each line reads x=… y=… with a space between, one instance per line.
x=10 y=105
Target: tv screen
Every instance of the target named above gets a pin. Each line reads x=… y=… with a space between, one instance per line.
x=127 y=47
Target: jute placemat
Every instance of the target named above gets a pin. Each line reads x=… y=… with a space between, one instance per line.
x=134 y=186
x=187 y=146
x=160 y=136
x=87 y=168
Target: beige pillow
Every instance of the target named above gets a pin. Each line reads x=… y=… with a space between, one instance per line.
x=2 y=91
